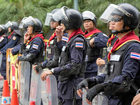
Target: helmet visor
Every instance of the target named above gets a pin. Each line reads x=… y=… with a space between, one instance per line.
x=60 y=15
x=48 y=19
x=25 y=21
x=8 y=24
x=113 y=13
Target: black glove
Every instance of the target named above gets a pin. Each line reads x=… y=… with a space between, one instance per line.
x=28 y=57
x=39 y=67
x=117 y=88
x=89 y=82
x=91 y=93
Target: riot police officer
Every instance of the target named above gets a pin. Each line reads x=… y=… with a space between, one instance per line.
x=71 y=62
x=13 y=40
x=23 y=31
x=123 y=66
x=33 y=41
x=55 y=23
x=96 y=41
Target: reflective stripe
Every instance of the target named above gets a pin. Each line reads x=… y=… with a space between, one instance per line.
x=6 y=100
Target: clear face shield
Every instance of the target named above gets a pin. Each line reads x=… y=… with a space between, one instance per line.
x=48 y=19
x=25 y=21
x=60 y=14
x=8 y=24
x=113 y=13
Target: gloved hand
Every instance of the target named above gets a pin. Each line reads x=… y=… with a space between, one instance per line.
x=38 y=68
x=117 y=88
x=29 y=57
x=87 y=83
x=91 y=93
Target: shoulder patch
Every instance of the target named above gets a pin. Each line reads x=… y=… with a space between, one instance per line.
x=35 y=46
x=14 y=38
x=64 y=38
x=135 y=55
x=79 y=44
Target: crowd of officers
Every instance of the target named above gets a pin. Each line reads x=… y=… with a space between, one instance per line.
x=77 y=54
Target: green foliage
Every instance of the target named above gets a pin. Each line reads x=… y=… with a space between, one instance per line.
x=15 y=10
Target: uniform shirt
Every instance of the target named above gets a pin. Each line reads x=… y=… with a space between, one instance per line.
x=131 y=66
x=100 y=40
x=59 y=46
x=76 y=55
x=16 y=49
x=11 y=43
x=33 y=52
x=35 y=46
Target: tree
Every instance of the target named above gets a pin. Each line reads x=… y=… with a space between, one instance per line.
x=15 y=10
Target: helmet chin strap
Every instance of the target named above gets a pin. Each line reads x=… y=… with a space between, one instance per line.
x=121 y=31
x=117 y=32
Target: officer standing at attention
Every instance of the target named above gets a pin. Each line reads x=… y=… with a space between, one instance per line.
x=33 y=46
x=13 y=40
x=51 y=63
x=71 y=62
x=53 y=23
x=123 y=66
x=96 y=42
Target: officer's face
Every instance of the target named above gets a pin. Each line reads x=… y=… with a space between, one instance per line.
x=62 y=26
x=88 y=24
x=9 y=29
x=116 y=23
x=53 y=24
x=30 y=30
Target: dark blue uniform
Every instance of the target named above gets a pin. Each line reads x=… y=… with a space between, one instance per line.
x=3 y=41
x=16 y=49
x=33 y=51
x=100 y=41
x=124 y=66
x=14 y=40
x=57 y=50
x=70 y=70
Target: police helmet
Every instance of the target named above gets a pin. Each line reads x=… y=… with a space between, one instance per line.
x=49 y=17
x=132 y=18
x=71 y=18
x=22 y=24
x=88 y=15
x=38 y=25
x=34 y=22
x=128 y=13
x=12 y=25
x=56 y=17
